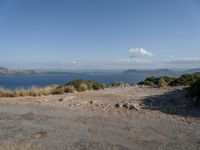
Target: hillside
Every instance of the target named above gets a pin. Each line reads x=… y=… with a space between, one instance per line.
x=155 y=72
x=6 y=72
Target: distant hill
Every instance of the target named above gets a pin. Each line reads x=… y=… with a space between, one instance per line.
x=151 y=72
x=5 y=71
x=193 y=70
x=11 y=72
x=155 y=72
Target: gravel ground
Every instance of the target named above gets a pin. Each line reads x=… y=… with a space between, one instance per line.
x=160 y=119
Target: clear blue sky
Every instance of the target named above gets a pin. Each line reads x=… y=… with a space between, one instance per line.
x=100 y=33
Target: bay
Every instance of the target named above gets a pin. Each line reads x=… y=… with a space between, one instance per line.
x=12 y=82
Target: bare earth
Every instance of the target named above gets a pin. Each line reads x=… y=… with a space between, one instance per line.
x=123 y=118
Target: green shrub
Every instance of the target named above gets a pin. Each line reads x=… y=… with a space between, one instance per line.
x=98 y=86
x=82 y=85
x=154 y=81
x=185 y=79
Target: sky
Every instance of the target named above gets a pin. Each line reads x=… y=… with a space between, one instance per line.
x=100 y=34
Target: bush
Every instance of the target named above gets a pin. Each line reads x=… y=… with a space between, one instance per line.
x=82 y=85
x=69 y=89
x=194 y=91
x=185 y=79
x=153 y=81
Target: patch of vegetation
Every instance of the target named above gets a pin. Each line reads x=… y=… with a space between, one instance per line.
x=194 y=91
x=34 y=91
x=183 y=80
x=160 y=81
x=83 y=85
x=76 y=85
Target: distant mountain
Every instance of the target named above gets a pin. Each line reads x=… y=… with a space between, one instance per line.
x=193 y=70
x=155 y=72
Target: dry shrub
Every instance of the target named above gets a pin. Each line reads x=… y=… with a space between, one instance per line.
x=48 y=90
x=82 y=87
x=33 y=92
x=162 y=83
x=6 y=93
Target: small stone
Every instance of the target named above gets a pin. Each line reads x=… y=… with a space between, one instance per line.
x=125 y=105
x=60 y=100
x=83 y=102
x=117 y=105
x=131 y=107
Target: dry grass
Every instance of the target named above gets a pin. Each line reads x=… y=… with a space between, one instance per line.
x=16 y=147
x=76 y=85
x=34 y=91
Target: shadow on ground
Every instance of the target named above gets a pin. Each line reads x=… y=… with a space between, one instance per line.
x=174 y=103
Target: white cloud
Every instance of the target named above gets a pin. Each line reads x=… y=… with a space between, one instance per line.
x=138 y=52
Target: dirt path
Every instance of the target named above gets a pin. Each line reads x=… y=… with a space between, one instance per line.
x=90 y=120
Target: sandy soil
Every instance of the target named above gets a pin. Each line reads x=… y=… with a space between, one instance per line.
x=122 y=118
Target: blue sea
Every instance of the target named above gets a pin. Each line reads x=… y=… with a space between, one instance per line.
x=12 y=82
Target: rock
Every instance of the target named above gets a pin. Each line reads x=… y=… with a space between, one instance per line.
x=134 y=106
x=60 y=100
x=127 y=105
x=83 y=102
x=40 y=135
x=70 y=97
x=131 y=107
x=91 y=102
x=72 y=105
x=119 y=105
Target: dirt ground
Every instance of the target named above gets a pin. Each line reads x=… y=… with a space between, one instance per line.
x=123 y=118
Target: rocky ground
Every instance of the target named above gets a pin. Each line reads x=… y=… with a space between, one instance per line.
x=123 y=118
